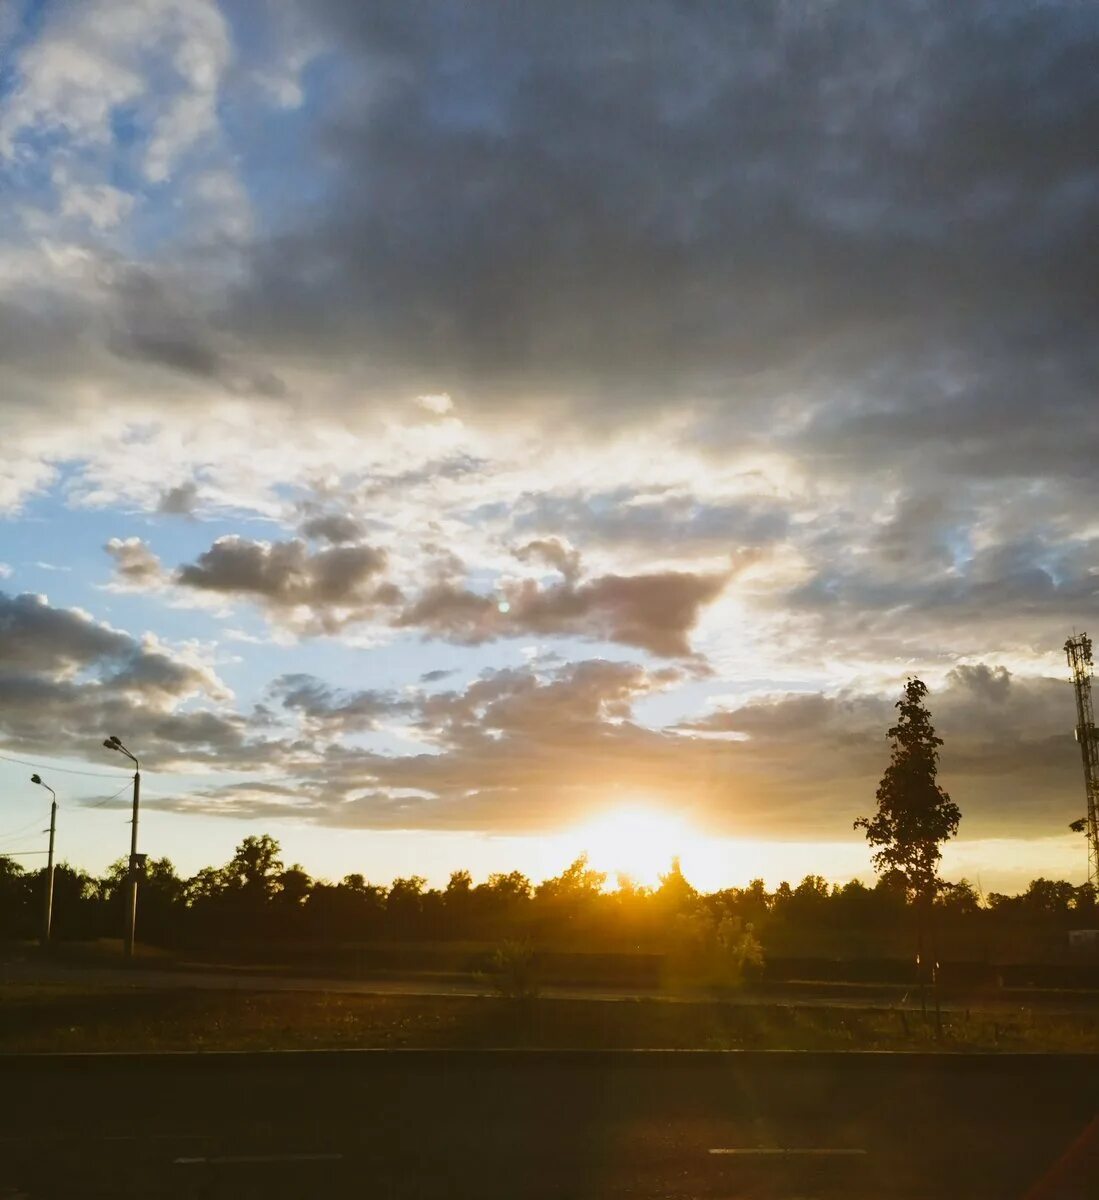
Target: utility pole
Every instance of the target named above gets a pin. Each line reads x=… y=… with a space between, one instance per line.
x=1078 y=650
x=113 y=743
x=47 y=908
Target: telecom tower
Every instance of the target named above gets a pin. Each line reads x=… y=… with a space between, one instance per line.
x=1078 y=649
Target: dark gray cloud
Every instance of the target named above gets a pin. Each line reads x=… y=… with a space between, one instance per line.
x=321 y=591
x=672 y=523
x=655 y=612
x=333 y=527
x=34 y=634
x=330 y=711
x=327 y=590
x=156 y=323
x=66 y=679
x=179 y=501
x=637 y=205
x=945 y=597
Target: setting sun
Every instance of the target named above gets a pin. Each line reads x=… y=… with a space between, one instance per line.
x=639 y=842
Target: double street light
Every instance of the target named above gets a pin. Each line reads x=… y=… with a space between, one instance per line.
x=47 y=912
x=113 y=743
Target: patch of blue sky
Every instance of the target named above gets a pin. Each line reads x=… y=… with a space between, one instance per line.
x=281 y=168
x=284 y=165
x=697 y=698
x=959 y=541
x=20 y=22
x=28 y=170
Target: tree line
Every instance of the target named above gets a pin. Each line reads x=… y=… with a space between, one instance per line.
x=255 y=897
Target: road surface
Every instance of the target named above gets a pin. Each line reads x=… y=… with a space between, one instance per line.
x=519 y=1125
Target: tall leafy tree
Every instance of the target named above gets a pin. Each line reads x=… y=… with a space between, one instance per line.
x=255 y=868
x=914 y=815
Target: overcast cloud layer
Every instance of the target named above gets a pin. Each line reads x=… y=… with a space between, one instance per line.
x=615 y=399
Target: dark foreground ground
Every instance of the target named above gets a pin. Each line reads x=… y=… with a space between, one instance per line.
x=519 y=1124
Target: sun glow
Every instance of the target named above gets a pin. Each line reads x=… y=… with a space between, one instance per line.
x=637 y=841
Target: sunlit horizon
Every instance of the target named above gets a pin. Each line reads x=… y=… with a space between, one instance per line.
x=91 y=838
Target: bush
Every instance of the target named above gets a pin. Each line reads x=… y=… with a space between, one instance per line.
x=512 y=970
x=713 y=950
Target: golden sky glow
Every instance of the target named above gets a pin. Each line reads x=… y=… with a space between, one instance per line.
x=634 y=840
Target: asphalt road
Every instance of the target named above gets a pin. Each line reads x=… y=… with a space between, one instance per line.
x=548 y=1124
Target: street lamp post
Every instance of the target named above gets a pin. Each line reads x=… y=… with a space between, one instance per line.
x=47 y=911
x=113 y=743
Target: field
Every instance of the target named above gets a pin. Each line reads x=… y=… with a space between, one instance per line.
x=59 y=1018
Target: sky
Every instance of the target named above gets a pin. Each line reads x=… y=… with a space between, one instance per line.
x=462 y=435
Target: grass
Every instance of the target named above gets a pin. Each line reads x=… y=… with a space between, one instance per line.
x=45 y=1018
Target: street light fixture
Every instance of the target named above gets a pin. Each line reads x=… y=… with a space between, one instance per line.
x=112 y=742
x=47 y=913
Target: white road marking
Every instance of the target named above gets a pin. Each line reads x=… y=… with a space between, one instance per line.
x=218 y=1159
x=775 y=1151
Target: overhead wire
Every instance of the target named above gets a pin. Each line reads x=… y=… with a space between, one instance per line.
x=63 y=770
x=17 y=831
x=107 y=799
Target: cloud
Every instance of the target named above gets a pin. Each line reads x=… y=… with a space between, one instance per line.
x=156 y=322
x=91 y=62
x=344 y=584
x=536 y=749
x=613 y=212
x=135 y=565
x=331 y=712
x=180 y=500
x=35 y=634
x=332 y=527
x=556 y=553
x=653 y=612
x=1019 y=594
x=1008 y=757
x=672 y=522
x=318 y=592
x=65 y=678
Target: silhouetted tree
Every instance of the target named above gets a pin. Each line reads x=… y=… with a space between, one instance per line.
x=959 y=898
x=351 y=910
x=577 y=881
x=404 y=904
x=914 y=815
x=15 y=920
x=294 y=886
x=255 y=868
x=675 y=894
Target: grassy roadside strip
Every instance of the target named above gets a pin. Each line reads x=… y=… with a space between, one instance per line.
x=48 y=1018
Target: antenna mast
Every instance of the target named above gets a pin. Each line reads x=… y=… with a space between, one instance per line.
x=1078 y=650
